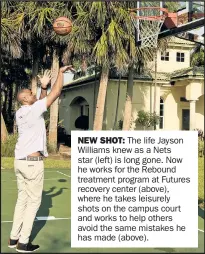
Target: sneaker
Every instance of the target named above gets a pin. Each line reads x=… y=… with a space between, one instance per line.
x=29 y=247
x=12 y=243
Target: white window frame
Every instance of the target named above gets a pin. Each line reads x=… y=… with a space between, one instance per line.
x=179 y=57
x=161 y=117
x=165 y=56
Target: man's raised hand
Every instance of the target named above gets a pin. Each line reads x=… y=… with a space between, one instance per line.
x=45 y=79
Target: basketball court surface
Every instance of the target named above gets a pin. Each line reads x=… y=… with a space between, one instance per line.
x=52 y=227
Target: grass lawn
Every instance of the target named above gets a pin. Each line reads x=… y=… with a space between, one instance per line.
x=8 y=162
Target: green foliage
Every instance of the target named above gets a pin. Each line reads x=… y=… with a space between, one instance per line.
x=10 y=36
x=200 y=147
x=104 y=32
x=120 y=124
x=200 y=142
x=172 y=6
x=8 y=147
x=147 y=119
x=198 y=58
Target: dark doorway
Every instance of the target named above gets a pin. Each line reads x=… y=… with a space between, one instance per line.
x=185 y=119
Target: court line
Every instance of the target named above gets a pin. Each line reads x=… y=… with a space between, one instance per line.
x=53 y=171
x=48 y=179
x=49 y=218
x=63 y=174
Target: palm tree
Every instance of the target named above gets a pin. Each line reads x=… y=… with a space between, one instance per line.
x=10 y=36
x=10 y=44
x=197 y=57
x=104 y=36
x=142 y=57
x=128 y=101
x=109 y=31
x=36 y=17
x=54 y=107
x=4 y=132
x=36 y=30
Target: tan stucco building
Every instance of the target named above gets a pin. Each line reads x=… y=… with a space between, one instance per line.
x=180 y=94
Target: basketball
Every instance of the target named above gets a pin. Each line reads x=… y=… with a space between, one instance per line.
x=62 y=26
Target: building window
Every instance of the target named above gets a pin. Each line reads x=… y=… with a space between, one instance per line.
x=165 y=56
x=161 y=120
x=87 y=110
x=81 y=110
x=84 y=110
x=180 y=57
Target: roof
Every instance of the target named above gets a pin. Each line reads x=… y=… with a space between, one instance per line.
x=177 y=40
x=113 y=75
x=188 y=72
x=82 y=80
x=161 y=76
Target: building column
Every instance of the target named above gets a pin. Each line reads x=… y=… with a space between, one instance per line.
x=192 y=114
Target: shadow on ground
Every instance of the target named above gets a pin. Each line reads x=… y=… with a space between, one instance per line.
x=200 y=212
x=44 y=210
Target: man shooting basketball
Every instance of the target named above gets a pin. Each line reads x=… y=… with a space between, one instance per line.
x=29 y=153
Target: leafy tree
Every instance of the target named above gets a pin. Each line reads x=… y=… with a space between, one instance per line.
x=10 y=50
x=37 y=41
x=147 y=119
x=172 y=6
x=102 y=31
x=197 y=58
x=142 y=57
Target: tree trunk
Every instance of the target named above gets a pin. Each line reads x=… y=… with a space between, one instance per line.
x=54 y=107
x=5 y=102
x=34 y=73
x=10 y=107
x=128 y=102
x=99 y=112
x=15 y=107
x=117 y=105
x=155 y=85
x=4 y=132
x=10 y=100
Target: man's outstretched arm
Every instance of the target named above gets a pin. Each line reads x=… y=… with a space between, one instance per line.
x=57 y=87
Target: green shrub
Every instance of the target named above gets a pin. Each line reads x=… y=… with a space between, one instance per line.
x=147 y=119
x=8 y=147
x=120 y=124
x=200 y=147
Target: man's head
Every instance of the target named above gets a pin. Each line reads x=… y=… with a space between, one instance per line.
x=26 y=97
